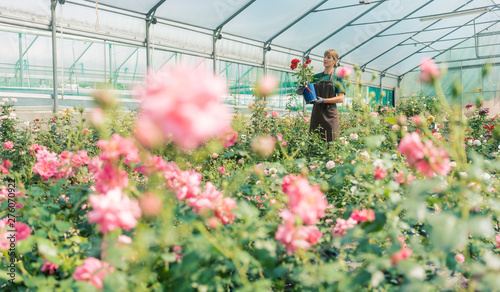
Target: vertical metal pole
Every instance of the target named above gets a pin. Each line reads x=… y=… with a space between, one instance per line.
x=105 y=73
x=462 y=83
x=214 y=54
x=54 y=54
x=148 y=61
x=264 y=61
x=21 y=69
x=110 y=67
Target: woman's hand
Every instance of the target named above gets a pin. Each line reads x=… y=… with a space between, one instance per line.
x=318 y=100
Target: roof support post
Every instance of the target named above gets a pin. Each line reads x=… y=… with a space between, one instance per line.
x=54 y=54
x=150 y=20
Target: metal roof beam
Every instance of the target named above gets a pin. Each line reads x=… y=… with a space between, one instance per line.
x=450 y=48
x=432 y=29
x=418 y=51
x=308 y=51
x=385 y=29
x=383 y=53
x=218 y=29
x=294 y=22
x=153 y=9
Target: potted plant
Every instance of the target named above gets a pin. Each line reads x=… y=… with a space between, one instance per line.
x=304 y=75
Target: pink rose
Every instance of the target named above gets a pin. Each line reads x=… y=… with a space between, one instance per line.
x=380 y=173
x=93 y=271
x=274 y=114
x=345 y=72
x=49 y=266
x=266 y=85
x=460 y=258
x=363 y=215
x=429 y=70
x=8 y=145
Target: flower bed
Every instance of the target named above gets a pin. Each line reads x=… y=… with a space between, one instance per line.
x=182 y=197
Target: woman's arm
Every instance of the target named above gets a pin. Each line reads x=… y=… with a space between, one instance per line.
x=337 y=99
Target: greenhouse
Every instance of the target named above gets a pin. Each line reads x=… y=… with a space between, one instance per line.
x=250 y=145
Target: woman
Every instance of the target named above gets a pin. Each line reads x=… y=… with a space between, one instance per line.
x=330 y=90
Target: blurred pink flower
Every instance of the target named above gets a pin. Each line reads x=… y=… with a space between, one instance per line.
x=460 y=258
x=274 y=114
x=228 y=137
x=497 y=239
x=223 y=210
x=306 y=119
x=151 y=204
x=343 y=225
x=363 y=215
x=206 y=200
x=114 y=210
x=373 y=114
x=8 y=145
x=222 y=170
x=185 y=184
x=417 y=120
x=429 y=70
x=283 y=143
x=110 y=177
x=81 y=158
x=380 y=173
x=345 y=72
x=184 y=104
x=305 y=200
x=411 y=146
x=148 y=133
x=23 y=231
x=263 y=145
x=93 y=271
x=49 y=266
x=279 y=137
x=97 y=117
x=403 y=254
x=116 y=147
x=266 y=85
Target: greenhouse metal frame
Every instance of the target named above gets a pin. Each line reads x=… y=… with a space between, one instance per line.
x=81 y=44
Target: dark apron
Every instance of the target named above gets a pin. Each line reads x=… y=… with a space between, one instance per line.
x=325 y=117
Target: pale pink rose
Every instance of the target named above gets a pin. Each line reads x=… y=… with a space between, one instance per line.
x=188 y=114
x=460 y=258
x=405 y=128
x=223 y=210
x=110 y=177
x=373 y=114
x=148 y=133
x=185 y=184
x=49 y=266
x=283 y=143
x=305 y=200
x=206 y=200
x=399 y=177
x=279 y=137
x=306 y=119
x=222 y=170
x=274 y=114
x=124 y=239
x=151 y=204
x=395 y=127
x=343 y=225
x=429 y=70
x=228 y=137
x=93 y=271
x=497 y=239
x=8 y=145
x=114 y=210
x=380 y=173
x=345 y=72
x=330 y=164
x=81 y=158
x=418 y=121
x=117 y=147
x=97 y=117
x=412 y=147
x=403 y=254
x=263 y=145
x=363 y=215
x=152 y=164
x=266 y=85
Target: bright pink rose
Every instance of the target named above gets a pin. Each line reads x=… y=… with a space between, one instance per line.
x=81 y=158
x=23 y=231
x=223 y=210
x=93 y=271
x=306 y=201
x=188 y=114
x=222 y=170
x=429 y=70
x=185 y=184
x=497 y=239
x=296 y=237
x=345 y=72
x=206 y=200
x=116 y=147
x=363 y=215
x=35 y=147
x=114 y=210
x=49 y=266
x=460 y=258
x=411 y=146
x=8 y=145
x=109 y=178
x=274 y=114
x=380 y=173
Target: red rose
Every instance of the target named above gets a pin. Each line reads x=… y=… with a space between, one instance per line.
x=295 y=61
x=308 y=61
x=293 y=66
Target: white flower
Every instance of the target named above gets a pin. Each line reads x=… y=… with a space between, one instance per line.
x=453 y=164
x=365 y=155
x=481 y=136
x=330 y=164
x=484 y=141
x=498 y=147
x=273 y=170
x=394 y=156
x=395 y=127
x=5 y=100
x=353 y=136
x=405 y=128
x=258 y=182
x=463 y=173
x=3 y=117
x=2 y=103
x=485 y=176
x=477 y=143
x=378 y=163
x=470 y=142
x=12 y=115
x=13 y=99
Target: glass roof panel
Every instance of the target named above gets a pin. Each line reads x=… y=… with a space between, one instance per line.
x=316 y=26
x=202 y=13
x=142 y=6
x=263 y=18
x=410 y=63
x=394 y=55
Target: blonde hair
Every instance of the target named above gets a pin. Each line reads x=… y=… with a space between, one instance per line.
x=334 y=55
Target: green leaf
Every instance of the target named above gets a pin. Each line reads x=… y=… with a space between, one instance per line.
x=62 y=226
x=374 y=142
x=47 y=249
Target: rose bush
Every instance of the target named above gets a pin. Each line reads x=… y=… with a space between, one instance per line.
x=258 y=205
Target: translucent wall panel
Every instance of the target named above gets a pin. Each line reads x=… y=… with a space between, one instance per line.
x=235 y=50
x=142 y=6
x=34 y=10
x=180 y=38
